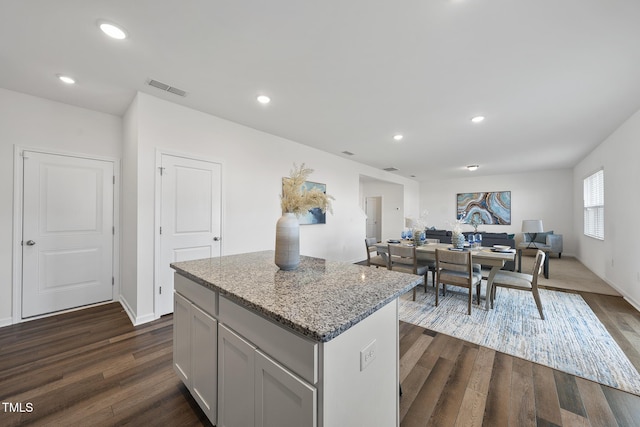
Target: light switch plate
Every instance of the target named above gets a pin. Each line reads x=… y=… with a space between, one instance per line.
x=368 y=355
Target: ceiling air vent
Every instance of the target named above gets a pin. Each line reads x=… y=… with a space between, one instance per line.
x=390 y=169
x=348 y=153
x=166 y=87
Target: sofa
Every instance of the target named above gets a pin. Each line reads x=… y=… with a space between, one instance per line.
x=488 y=239
x=548 y=239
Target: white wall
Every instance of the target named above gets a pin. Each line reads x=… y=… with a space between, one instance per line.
x=392 y=209
x=32 y=122
x=616 y=259
x=253 y=164
x=129 y=210
x=545 y=195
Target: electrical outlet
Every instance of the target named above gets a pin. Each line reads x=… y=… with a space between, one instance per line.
x=368 y=355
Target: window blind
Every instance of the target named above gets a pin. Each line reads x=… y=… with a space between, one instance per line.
x=594 y=205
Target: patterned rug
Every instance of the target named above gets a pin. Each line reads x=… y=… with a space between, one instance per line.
x=571 y=339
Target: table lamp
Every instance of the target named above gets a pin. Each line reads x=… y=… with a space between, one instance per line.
x=532 y=227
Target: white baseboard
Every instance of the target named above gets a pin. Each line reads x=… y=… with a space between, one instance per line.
x=135 y=319
x=624 y=294
x=634 y=303
x=6 y=321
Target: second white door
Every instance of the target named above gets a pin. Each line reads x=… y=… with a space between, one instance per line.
x=189 y=218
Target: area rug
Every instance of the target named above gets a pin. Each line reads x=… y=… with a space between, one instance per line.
x=571 y=339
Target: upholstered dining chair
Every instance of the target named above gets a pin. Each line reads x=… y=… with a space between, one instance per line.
x=456 y=268
x=403 y=259
x=521 y=281
x=432 y=266
x=377 y=259
x=431 y=263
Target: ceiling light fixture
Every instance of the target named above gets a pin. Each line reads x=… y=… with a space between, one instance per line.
x=473 y=167
x=477 y=119
x=263 y=99
x=398 y=137
x=112 y=30
x=66 y=79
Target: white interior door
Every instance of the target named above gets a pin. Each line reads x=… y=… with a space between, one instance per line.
x=67 y=246
x=189 y=218
x=373 y=209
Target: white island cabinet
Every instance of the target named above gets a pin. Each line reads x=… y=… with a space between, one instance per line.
x=195 y=348
x=314 y=347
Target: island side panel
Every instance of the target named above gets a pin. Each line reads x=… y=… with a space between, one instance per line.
x=360 y=384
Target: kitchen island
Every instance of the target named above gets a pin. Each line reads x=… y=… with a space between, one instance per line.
x=317 y=346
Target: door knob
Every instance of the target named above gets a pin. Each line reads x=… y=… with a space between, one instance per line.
x=30 y=243
x=216 y=239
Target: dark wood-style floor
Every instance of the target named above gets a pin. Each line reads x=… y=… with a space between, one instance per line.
x=92 y=368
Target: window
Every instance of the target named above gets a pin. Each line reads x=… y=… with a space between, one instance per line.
x=594 y=205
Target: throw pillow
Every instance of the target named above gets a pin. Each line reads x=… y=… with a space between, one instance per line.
x=495 y=236
x=542 y=237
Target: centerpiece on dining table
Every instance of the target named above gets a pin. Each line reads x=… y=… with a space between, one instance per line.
x=457 y=238
x=416 y=228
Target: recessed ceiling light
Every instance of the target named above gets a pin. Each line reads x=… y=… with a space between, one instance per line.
x=263 y=99
x=66 y=79
x=477 y=119
x=112 y=30
x=473 y=167
x=398 y=137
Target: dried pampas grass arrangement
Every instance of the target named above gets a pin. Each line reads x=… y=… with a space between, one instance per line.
x=295 y=198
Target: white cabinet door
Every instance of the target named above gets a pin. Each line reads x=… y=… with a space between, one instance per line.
x=195 y=353
x=236 y=385
x=282 y=399
x=204 y=361
x=182 y=338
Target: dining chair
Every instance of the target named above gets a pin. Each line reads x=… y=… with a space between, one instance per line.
x=378 y=260
x=431 y=263
x=403 y=259
x=521 y=281
x=456 y=268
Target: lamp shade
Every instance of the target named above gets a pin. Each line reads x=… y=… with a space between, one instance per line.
x=532 y=226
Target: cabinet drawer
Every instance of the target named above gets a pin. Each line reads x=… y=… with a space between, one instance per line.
x=199 y=295
x=293 y=351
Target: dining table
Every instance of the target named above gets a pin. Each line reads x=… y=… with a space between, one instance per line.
x=486 y=256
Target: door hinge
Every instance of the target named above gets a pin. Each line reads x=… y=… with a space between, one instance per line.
x=161 y=170
x=113 y=280
x=114 y=180
x=160 y=290
x=160 y=230
x=113 y=230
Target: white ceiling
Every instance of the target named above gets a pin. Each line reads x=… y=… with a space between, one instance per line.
x=553 y=78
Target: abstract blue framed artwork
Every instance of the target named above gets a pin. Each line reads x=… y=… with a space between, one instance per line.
x=485 y=208
x=315 y=215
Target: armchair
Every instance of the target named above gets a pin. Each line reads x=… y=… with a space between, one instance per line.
x=547 y=238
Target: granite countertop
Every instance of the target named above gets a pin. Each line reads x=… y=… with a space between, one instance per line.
x=320 y=299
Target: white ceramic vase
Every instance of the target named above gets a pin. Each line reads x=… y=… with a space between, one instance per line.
x=288 y=242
